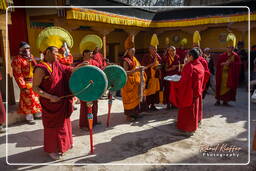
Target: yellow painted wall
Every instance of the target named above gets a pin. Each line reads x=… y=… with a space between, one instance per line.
x=171 y=34
x=210 y=38
x=118 y=38
x=253 y=36
x=142 y=40
x=32 y=35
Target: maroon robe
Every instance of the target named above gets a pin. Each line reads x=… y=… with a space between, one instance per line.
x=167 y=84
x=98 y=57
x=182 y=53
x=83 y=120
x=2 y=108
x=188 y=95
x=56 y=116
x=147 y=60
x=207 y=71
x=233 y=77
x=207 y=75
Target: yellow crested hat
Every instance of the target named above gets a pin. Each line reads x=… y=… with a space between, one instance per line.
x=129 y=42
x=231 y=40
x=196 y=38
x=154 y=41
x=183 y=41
x=53 y=36
x=90 y=42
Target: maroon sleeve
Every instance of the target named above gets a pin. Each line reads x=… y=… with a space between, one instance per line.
x=234 y=72
x=185 y=87
x=145 y=60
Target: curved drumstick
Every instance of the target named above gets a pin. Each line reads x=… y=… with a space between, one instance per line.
x=82 y=90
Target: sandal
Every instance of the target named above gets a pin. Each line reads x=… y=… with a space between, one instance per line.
x=130 y=119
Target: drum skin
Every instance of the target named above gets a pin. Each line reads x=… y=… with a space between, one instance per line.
x=117 y=77
x=88 y=83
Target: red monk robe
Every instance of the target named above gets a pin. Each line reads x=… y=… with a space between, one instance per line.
x=83 y=120
x=207 y=75
x=2 y=108
x=68 y=60
x=170 y=62
x=227 y=77
x=147 y=60
x=56 y=116
x=98 y=57
x=182 y=53
x=190 y=88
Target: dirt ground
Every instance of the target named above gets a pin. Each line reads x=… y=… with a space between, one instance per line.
x=150 y=143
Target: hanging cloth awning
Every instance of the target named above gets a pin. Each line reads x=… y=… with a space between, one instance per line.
x=110 y=18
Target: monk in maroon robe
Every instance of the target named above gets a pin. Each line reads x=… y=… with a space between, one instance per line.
x=2 y=111
x=149 y=61
x=227 y=76
x=182 y=52
x=207 y=75
x=83 y=120
x=189 y=92
x=51 y=83
x=99 y=58
x=173 y=66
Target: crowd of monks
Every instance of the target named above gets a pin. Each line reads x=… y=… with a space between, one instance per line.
x=44 y=86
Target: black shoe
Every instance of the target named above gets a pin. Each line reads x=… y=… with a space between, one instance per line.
x=139 y=116
x=130 y=119
x=98 y=123
x=31 y=122
x=226 y=104
x=168 y=107
x=186 y=134
x=173 y=107
x=153 y=108
x=200 y=124
x=217 y=103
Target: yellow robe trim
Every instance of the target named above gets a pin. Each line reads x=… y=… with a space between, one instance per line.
x=224 y=80
x=130 y=92
x=224 y=77
x=153 y=83
x=47 y=65
x=31 y=68
x=110 y=18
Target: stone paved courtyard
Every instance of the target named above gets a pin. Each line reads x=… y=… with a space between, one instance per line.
x=152 y=139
